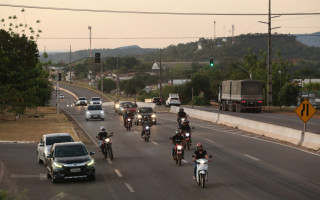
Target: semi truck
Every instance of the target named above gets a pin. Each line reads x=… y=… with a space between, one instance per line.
x=241 y=95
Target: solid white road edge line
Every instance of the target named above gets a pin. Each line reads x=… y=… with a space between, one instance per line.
x=210 y=140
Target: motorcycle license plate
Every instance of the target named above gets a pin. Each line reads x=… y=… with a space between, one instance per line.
x=75 y=170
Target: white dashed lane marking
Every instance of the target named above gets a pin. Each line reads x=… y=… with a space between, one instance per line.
x=130 y=188
x=251 y=157
x=118 y=172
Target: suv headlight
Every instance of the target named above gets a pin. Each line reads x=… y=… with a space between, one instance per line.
x=91 y=162
x=139 y=116
x=57 y=165
x=102 y=112
x=153 y=115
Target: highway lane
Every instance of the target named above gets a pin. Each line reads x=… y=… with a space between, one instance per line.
x=244 y=166
x=292 y=121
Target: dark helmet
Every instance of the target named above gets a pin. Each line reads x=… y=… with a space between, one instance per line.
x=181 y=109
x=145 y=118
x=102 y=128
x=178 y=132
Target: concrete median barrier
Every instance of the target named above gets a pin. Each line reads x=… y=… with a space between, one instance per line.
x=297 y=137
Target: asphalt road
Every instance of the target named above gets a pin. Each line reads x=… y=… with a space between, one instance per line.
x=244 y=166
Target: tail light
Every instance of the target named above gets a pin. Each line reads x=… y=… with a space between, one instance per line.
x=259 y=101
x=243 y=101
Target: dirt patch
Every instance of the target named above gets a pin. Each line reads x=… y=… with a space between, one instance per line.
x=31 y=126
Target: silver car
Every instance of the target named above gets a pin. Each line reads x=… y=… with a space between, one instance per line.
x=95 y=100
x=94 y=112
x=47 y=141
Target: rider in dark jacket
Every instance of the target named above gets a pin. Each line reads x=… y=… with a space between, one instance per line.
x=177 y=138
x=181 y=114
x=144 y=123
x=101 y=136
x=199 y=153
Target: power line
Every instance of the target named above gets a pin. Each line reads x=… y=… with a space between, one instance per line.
x=163 y=38
x=153 y=13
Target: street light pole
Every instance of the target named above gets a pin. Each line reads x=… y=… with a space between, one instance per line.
x=160 y=77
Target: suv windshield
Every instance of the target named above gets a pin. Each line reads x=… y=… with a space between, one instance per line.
x=82 y=98
x=94 y=107
x=58 y=139
x=145 y=110
x=70 y=151
x=95 y=99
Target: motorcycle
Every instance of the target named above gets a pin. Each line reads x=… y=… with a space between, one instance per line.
x=128 y=123
x=178 y=151
x=187 y=137
x=146 y=134
x=107 y=147
x=202 y=171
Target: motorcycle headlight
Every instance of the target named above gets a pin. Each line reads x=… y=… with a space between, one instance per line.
x=91 y=162
x=147 y=127
x=139 y=116
x=58 y=165
x=107 y=140
x=129 y=120
x=179 y=147
x=153 y=115
x=187 y=134
x=117 y=105
x=202 y=162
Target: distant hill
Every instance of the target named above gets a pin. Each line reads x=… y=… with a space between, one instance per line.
x=133 y=50
x=292 y=47
x=309 y=39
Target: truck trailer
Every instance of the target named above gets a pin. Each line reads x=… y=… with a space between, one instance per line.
x=241 y=95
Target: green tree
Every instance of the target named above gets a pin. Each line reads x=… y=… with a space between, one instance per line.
x=108 y=85
x=133 y=86
x=289 y=94
x=22 y=80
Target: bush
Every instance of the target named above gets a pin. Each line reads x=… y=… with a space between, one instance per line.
x=200 y=101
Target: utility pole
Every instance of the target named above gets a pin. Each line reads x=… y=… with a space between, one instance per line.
x=160 y=77
x=89 y=27
x=269 y=97
x=269 y=86
x=70 y=67
x=214 y=30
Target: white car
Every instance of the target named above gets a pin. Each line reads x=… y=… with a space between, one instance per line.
x=47 y=141
x=173 y=101
x=95 y=100
x=81 y=101
x=94 y=112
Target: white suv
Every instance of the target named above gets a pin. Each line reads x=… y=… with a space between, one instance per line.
x=94 y=112
x=95 y=100
x=81 y=101
x=173 y=101
x=47 y=141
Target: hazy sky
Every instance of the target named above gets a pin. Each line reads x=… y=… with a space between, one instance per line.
x=163 y=29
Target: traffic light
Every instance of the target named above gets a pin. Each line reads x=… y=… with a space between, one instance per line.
x=59 y=76
x=211 y=62
x=97 y=57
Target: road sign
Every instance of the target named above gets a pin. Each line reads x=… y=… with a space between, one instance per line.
x=155 y=66
x=305 y=110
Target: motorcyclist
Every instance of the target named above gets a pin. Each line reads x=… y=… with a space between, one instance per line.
x=181 y=114
x=126 y=115
x=199 y=153
x=145 y=122
x=177 y=138
x=185 y=126
x=101 y=136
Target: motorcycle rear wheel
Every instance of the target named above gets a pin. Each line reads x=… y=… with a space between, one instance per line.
x=111 y=154
x=179 y=159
